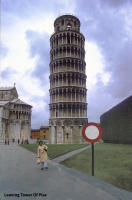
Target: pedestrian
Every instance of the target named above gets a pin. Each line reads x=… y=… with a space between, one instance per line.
x=8 y=141
x=42 y=155
x=5 y=141
x=18 y=141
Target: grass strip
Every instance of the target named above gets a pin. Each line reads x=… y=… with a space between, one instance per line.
x=113 y=163
x=55 y=150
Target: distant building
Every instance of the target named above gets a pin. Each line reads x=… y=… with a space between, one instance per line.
x=35 y=133
x=42 y=133
x=117 y=123
x=15 y=116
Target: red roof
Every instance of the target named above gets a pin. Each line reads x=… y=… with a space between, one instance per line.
x=35 y=130
x=44 y=127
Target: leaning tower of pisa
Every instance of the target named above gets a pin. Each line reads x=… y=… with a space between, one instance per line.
x=68 y=103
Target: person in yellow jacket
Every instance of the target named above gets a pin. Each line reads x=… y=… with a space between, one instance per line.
x=42 y=154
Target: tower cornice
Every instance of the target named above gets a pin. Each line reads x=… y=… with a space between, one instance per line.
x=65 y=32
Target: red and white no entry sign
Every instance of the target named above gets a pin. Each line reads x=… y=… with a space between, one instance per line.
x=92 y=132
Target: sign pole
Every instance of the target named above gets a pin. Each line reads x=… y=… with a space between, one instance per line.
x=92 y=159
x=92 y=132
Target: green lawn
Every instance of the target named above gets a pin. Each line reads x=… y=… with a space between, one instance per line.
x=55 y=150
x=113 y=163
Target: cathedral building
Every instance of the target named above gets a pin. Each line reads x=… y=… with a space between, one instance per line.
x=68 y=103
x=15 y=116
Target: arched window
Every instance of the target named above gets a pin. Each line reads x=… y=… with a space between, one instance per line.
x=69 y=26
x=58 y=28
x=62 y=22
x=75 y=23
x=68 y=38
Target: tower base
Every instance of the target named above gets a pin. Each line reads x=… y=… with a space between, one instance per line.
x=66 y=130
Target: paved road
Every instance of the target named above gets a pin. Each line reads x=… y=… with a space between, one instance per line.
x=19 y=176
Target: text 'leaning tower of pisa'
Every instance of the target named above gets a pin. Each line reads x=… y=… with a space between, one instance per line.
x=68 y=104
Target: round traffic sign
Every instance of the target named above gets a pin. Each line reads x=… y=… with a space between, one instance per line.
x=92 y=132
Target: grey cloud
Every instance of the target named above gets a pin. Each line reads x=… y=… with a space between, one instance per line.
x=115 y=3
x=39 y=46
x=4 y=50
x=108 y=30
x=121 y=81
x=7 y=73
x=100 y=101
x=104 y=23
x=24 y=9
x=39 y=43
x=40 y=118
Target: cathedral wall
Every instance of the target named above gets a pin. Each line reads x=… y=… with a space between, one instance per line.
x=25 y=130
x=7 y=95
x=1 y=112
x=15 y=129
x=4 y=114
x=19 y=130
x=2 y=129
x=15 y=115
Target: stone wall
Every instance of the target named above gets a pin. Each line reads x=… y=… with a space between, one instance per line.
x=117 y=123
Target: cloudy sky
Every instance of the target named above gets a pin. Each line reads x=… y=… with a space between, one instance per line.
x=26 y=26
